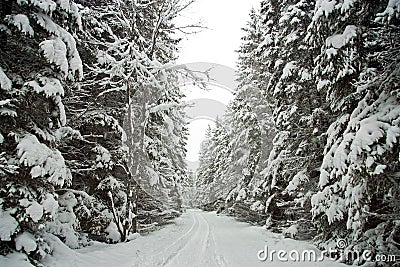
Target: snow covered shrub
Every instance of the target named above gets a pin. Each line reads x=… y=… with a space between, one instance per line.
x=291 y=231
x=64 y=223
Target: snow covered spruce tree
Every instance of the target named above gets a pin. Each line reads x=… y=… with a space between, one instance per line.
x=359 y=68
x=97 y=155
x=220 y=178
x=38 y=57
x=250 y=124
x=128 y=112
x=205 y=170
x=247 y=116
x=166 y=140
x=230 y=158
x=282 y=65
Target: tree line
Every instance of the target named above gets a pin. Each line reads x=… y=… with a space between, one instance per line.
x=93 y=133
x=310 y=144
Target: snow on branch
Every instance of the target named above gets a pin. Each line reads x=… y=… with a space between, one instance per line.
x=323 y=7
x=392 y=11
x=107 y=120
x=7 y=109
x=47 y=6
x=21 y=21
x=5 y=82
x=337 y=41
x=8 y=225
x=122 y=88
x=75 y=62
x=44 y=161
x=71 y=8
x=51 y=88
x=288 y=69
x=55 y=51
x=48 y=86
x=296 y=182
x=164 y=107
x=78 y=192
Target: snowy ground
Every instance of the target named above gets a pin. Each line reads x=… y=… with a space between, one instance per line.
x=197 y=238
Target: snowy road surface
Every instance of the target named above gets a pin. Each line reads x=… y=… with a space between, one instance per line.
x=197 y=238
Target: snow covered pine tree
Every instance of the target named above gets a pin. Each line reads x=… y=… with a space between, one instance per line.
x=56 y=180
x=358 y=67
x=38 y=55
x=329 y=72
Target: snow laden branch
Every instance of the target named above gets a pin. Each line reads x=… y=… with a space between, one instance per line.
x=165 y=107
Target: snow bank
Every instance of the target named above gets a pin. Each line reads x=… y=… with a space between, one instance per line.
x=196 y=238
x=15 y=260
x=291 y=231
x=113 y=233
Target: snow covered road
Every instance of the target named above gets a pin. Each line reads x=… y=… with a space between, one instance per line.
x=197 y=238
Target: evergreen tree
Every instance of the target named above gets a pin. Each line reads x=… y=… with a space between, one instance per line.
x=358 y=66
x=135 y=100
x=213 y=162
x=38 y=58
x=74 y=148
x=299 y=113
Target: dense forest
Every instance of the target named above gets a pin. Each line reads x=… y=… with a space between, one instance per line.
x=310 y=145
x=93 y=127
x=92 y=133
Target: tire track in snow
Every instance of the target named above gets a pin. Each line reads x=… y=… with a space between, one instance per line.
x=197 y=250
x=202 y=259
x=195 y=223
x=219 y=259
x=201 y=239
x=179 y=243
x=192 y=252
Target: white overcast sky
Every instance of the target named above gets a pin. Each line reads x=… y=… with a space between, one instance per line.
x=224 y=18
x=217 y=44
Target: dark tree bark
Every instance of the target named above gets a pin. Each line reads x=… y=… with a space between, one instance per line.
x=5 y=9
